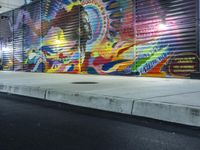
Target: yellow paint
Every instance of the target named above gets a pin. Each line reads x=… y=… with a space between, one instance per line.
x=71 y=5
x=58 y=40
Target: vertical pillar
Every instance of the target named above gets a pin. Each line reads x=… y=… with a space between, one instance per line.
x=13 y=34
x=134 y=28
x=23 y=39
x=1 y=52
x=135 y=33
x=79 y=41
x=41 y=28
x=198 y=32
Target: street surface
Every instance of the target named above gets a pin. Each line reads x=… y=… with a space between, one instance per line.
x=31 y=124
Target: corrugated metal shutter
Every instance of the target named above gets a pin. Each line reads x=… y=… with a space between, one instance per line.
x=32 y=37
x=18 y=39
x=6 y=40
x=169 y=33
x=110 y=50
x=60 y=24
x=150 y=38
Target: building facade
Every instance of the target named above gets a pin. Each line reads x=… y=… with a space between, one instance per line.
x=107 y=37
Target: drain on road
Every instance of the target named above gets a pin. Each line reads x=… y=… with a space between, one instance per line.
x=84 y=82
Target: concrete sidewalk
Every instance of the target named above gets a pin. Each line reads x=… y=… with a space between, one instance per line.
x=173 y=100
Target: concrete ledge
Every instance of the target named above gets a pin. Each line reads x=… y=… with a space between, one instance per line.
x=113 y=104
x=35 y=92
x=187 y=115
x=3 y=88
x=172 y=112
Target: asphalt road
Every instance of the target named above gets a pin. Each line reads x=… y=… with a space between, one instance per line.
x=30 y=124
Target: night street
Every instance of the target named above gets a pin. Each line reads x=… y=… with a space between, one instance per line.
x=30 y=124
x=99 y=74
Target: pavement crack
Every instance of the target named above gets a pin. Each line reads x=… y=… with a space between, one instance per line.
x=133 y=104
x=185 y=93
x=45 y=94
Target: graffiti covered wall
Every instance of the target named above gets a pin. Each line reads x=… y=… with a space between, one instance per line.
x=116 y=37
x=6 y=40
x=170 y=26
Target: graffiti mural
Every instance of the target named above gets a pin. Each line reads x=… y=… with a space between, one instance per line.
x=172 y=51
x=106 y=37
x=6 y=41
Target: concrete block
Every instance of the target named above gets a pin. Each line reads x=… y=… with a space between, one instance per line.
x=183 y=114
x=3 y=88
x=35 y=92
x=113 y=104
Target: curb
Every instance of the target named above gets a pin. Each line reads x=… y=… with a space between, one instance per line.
x=181 y=114
x=113 y=104
x=106 y=103
x=174 y=113
x=35 y=92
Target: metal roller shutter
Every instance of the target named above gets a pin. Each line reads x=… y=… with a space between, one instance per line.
x=18 y=37
x=169 y=31
x=111 y=48
x=6 y=40
x=60 y=27
x=32 y=38
x=129 y=37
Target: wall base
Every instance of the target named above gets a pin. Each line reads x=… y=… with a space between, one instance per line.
x=195 y=75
